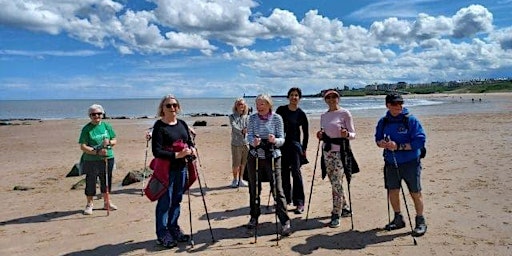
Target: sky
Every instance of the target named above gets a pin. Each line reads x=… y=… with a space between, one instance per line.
x=106 y=49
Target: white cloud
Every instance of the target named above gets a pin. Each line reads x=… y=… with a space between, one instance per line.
x=472 y=20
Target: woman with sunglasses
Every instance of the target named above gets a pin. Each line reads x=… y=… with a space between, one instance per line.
x=336 y=123
x=96 y=141
x=168 y=132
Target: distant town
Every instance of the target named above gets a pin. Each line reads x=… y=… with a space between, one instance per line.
x=467 y=86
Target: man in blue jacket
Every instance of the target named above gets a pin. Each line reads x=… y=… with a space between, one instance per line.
x=403 y=140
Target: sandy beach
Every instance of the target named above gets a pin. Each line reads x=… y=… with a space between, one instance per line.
x=467 y=187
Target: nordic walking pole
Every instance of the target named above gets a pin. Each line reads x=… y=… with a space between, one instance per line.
x=107 y=196
x=313 y=180
x=257 y=197
x=387 y=193
x=274 y=192
x=148 y=137
x=204 y=203
x=349 y=179
x=403 y=193
x=199 y=159
x=190 y=213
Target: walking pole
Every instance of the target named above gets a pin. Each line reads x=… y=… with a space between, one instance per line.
x=387 y=194
x=403 y=193
x=313 y=180
x=349 y=179
x=257 y=187
x=107 y=196
x=190 y=213
x=199 y=159
x=204 y=203
x=274 y=192
x=148 y=137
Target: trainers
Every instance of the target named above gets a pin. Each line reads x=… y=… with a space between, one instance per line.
x=252 y=223
x=166 y=241
x=335 y=221
x=421 y=226
x=396 y=223
x=287 y=229
x=88 y=209
x=178 y=235
x=346 y=212
x=234 y=184
x=112 y=207
x=299 y=209
x=243 y=183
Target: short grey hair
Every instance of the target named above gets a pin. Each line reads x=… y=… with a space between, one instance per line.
x=160 y=110
x=94 y=107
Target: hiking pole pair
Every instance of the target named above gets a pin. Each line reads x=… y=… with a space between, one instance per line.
x=199 y=159
x=313 y=179
x=402 y=189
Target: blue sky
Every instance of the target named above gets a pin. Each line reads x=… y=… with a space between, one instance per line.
x=101 y=49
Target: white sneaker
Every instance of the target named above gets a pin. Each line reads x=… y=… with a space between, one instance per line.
x=112 y=207
x=234 y=184
x=287 y=229
x=243 y=183
x=88 y=209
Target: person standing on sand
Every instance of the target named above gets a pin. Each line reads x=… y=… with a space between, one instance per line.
x=402 y=137
x=239 y=144
x=169 y=131
x=294 y=153
x=96 y=141
x=336 y=124
x=265 y=132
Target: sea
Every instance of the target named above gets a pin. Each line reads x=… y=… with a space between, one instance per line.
x=369 y=106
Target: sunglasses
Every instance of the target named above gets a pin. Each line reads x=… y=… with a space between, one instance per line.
x=96 y=114
x=396 y=103
x=174 y=105
x=331 y=97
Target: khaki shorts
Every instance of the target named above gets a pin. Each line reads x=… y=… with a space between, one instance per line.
x=239 y=155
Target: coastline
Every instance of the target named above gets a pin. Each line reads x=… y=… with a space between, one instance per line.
x=466 y=179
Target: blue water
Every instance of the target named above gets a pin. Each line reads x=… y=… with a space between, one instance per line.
x=134 y=108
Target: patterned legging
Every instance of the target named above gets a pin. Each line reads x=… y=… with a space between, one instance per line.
x=335 y=173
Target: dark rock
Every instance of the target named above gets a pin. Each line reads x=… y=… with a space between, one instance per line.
x=75 y=171
x=199 y=123
x=22 y=188
x=136 y=176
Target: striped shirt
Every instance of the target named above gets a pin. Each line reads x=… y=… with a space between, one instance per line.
x=262 y=128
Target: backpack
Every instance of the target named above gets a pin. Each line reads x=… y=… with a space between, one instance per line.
x=405 y=121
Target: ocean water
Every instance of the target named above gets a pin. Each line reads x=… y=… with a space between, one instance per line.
x=135 y=108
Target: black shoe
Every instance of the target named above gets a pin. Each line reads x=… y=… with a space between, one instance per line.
x=167 y=241
x=179 y=236
x=299 y=210
x=421 y=227
x=252 y=223
x=397 y=223
x=346 y=213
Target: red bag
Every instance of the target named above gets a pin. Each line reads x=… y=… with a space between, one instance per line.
x=159 y=181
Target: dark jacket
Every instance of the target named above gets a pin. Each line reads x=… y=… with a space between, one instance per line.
x=348 y=160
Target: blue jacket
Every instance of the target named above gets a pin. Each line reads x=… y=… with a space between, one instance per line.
x=401 y=132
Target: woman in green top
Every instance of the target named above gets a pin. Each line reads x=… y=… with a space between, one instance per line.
x=96 y=141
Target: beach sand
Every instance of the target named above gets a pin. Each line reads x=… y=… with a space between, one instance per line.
x=467 y=186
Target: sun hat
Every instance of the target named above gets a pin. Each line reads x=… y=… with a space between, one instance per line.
x=331 y=92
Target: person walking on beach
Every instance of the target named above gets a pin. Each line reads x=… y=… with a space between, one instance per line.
x=294 y=152
x=168 y=132
x=265 y=132
x=239 y=144
x=97 y=139
x=336 y=124
x=402 y=137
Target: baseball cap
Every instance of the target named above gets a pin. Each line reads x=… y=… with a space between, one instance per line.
x=394 y=97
